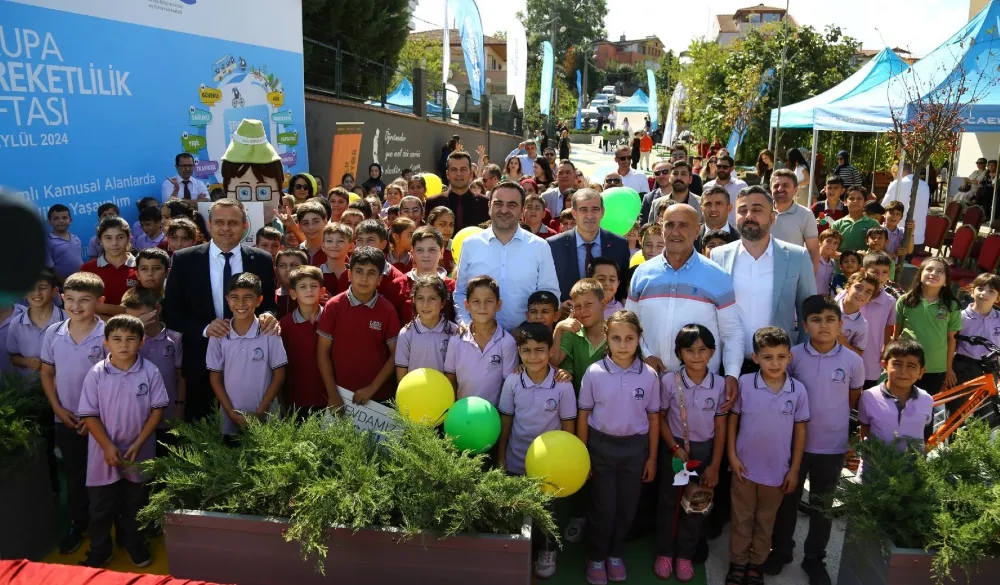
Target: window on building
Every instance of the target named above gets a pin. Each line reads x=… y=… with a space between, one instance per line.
x=772 y=17
x=753 y=18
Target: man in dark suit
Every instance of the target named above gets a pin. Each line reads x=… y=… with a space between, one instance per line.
x=572 y=250
x=470 y=209
x=194 y=302
x=715 y=208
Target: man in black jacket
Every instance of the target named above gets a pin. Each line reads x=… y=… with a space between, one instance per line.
x=470 y=209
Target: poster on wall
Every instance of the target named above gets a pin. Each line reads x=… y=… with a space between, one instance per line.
x=97 y=97
x=346 y=150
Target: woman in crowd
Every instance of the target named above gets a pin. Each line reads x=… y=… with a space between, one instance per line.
x=765 y=166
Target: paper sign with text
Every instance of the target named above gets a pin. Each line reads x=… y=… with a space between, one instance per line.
x=371 y=416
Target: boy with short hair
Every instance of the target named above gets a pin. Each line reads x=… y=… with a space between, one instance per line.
x=152 y=233
x=896 y=411
x=65 y=250
x=246 y=369
x=76 y=345
x=833 y=378
x=427 y=247
x=152 y=266
x=858 y=292
x=894 y=246
x=533 y=217
x=543 y=307
x=765 y=439
x=121 y=403
x=24 y=337
x=480 y=359
x=339 y=199
x=268 y=238
x=94 y=248
x=877 y=239
x=357 y=334
x=880 y=314
x=605 y=271
x=162 y=347
x=850 y=263
x=566 y=220
x=874 y=210
x=312 y=218
x=580 y=341
x=287 y=260
x=532 y=402
x=713 y=239
x=855 y=225
x=651 y=240
x=181 y=233
x=361 y=206
x=338 y=239
x=115 y=267
x=373 y=232
x=304 y=385
x=829 y=242
x=353 y=216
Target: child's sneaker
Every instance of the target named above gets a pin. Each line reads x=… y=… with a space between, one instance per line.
x=574 y=530
x=95 y=561
x=545 y=566
x=685 y=570
x=616 y=570
x=596 y=573
x=663 y=567
x=140 y=556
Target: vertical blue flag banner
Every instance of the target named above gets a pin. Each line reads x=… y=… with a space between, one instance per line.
x=736 y=138
x=101 y=95
x=470 y=29
x=545 y=95
x=579 y=100
x=654 y=102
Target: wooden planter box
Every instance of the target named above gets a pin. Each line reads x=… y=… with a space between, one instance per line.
x=902 y=566
x=251 y=550
x=27 y=511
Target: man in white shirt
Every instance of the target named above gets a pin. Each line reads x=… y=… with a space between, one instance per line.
x=795 y=224
x=630 y=177
x=183 y=185
x=901 y=192
x=565 y=180
x=530 y=148
x=725 y=167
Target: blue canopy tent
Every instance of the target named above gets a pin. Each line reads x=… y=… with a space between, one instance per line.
x=639 y=102
x=401 y=100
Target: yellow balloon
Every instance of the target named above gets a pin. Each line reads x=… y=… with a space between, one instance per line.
x=637 y=259
x=424 y=395
x=352 y=197
x=434 y=184
x=561 y=459
x=459 y=238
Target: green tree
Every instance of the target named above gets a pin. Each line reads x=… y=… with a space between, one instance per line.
x=667 y=76
x=418 y=51
x=704 y=77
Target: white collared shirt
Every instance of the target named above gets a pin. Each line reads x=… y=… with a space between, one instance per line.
x=923 y=204
x=196 y=186
x=753 y=283
x=216 y=265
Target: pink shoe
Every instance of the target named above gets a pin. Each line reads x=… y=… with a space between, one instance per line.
x=663 y=567
x=616 y=570
x=596 y=573
x=685 y=570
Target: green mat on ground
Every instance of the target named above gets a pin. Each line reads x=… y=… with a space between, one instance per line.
x=639 y=557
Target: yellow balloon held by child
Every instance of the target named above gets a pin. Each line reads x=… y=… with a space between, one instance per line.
x=456 y=242
x=561 y=459
x=424 y=395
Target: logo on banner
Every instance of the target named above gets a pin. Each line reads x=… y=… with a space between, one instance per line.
x=276 y=98
x=192 y=142
x=282 y=117
x=288 y=138
x=209 y=95
x=198 y=117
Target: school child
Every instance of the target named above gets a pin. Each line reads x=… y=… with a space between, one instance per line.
x=633 y=240
x=692 y=427
x=303 y=384
x=361 y=206
x=605 y=271
x=372 y=232
x=618 y=420
x=543 y=307
x=393 y=195
x=481 y=357
x=181 y=233
x=151 y=267
x=566 y=220
x=94 y=248
x=880 y=314
x=357 y=334
x=162 y=347
x=338 y=239
x=76 y=346
x=391 y=215
x=930 y=314
x=981 y=319
x=651 y=239
x=25 y=333
x=875 y=211
x=423 y=342
x=533 y=217
x=401 y=243
x=713 y=239
x=833 y=378
x=850 y=263
x=339 y=199
x=854 y=226
x=287 y=260
x=352 y=217
x=151 y=233
x=580 y=341
x=115 y=267
x=140 y=205
x=765 y=439
x=897 y=411
x=877 y=239
x=268 y=239
x=860 y=289
x=412 y=207
x=121 y=403
x=829 y=242
x=8 y=313
x=312 y=218
x=895 y=247
x=532 y=402
x=426 y=254
x=65 y=250
x=443 y=219
x=246 y=369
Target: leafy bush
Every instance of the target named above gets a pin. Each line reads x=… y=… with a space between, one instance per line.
x=323 y=473
x=22 y=404
x=947 y=502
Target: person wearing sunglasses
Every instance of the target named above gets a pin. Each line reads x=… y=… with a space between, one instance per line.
x=661 y=176
x=725 y=177
x=612 y=180
x=630 y=177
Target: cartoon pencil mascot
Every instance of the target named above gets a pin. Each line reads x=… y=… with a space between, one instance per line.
x=251 y=168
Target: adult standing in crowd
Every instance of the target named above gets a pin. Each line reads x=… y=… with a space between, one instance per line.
x=680 y=183
x=573 y=250
x=520 y=262
x=716 y=210
x=194 y=302
x=374 y=182
x=678 y=152
x=630 y=177
x=491 y=177
x=526 y=152
x=565 y=180
x=661 y=175
x=900 y=191
x=765 y=166
x=725 y=167
x=184 y=184
x=795 y=161
x=846 y=171
x=564 y=145
x=469 y=209
x=795 y=223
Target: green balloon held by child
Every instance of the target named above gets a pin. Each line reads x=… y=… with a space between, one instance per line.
x=473 y=423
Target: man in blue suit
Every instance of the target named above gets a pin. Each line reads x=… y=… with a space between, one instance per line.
x=572 y=250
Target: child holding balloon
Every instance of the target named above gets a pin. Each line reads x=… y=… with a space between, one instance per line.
x=619 y=420
x=423 y=342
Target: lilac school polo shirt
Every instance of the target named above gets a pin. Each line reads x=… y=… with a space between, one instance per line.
x=613 y=307
x=94 y=247
x=481 y=373
x=4 y=332
x=703 y=402
x=71 y=360
x=855 y=327
x=123 y=400
x=890 y=421
x=420 y=347
x=975 y=324
x=247 y=363
x=879 y=313
x=824 y=274
x=828 y=379
x=620 y=400
x=163 y=350
x=767 y=422
x=66 y=255
x=25 y=339
x=536 y=408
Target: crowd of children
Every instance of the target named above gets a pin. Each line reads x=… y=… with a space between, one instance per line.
x=365 y=295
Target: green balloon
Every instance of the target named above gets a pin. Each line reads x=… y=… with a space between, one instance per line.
x=473 y=423
x=621 y=209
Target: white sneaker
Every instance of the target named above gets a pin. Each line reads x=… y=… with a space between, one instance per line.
x=574 y=530
x=545 y=566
